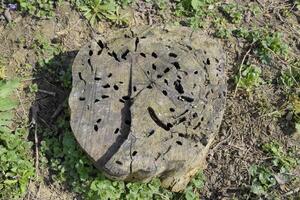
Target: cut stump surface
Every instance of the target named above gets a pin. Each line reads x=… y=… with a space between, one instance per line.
x=147 y=102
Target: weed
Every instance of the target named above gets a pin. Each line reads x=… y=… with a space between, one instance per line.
x=221 y=28
x=118 y=18
x=290 y=80
x=281 y=160
x=271 y=43
x=125 y=2
x=105 y=189
x=262 y=179
x=196 y=11
x=297 y=3
x=197 y=183
x=39 y=8
x=16 y=166
x=233 y=12
x=287 y=80
x=152 y=190
x=45 y=51
x=294 y=101
x=7 y=104
x=33 y=88
x=161 y=4
x=44 y=48
x=255 y=9
x=265 y=44
x=249 y=77
x=96 y=10
x=291 y=77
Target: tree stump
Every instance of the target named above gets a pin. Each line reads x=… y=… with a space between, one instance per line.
x=147 y=102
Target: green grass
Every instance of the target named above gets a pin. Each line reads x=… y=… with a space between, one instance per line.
x=233 y=12
x=93 y=10
x=97 y=10
x=195 y=11
x=193 y=190
x=16 y=164
x=290 y=82
x=262 y=180
x=266 y=178
x=39 y=8
x=266 y=44
x=249 y=77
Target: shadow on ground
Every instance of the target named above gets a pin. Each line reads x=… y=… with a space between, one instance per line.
x=61 y=161
x=54 y=85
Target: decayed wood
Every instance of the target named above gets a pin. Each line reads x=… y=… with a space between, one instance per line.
x=147 y=102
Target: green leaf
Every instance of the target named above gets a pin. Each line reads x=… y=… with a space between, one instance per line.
x=257 y=189
x=7 y=104
x=8 y=87
x=8 y=115
x=10 y=182
x=4 y=129
x=5 y=122
x=189 y=194
x=196 y=4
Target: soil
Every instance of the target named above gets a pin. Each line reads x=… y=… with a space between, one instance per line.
x=246 y=124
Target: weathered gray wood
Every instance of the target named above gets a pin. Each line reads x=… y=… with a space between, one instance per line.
x=147 y=102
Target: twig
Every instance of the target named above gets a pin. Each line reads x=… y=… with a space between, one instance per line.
x=260 y=3
x=22 y=105
x=149 y=18
x=54 y=86
x=292 y=74
x=31 y=79
x=58 y=110
x=161 y=195
x=237 y=147
x=286 y=64
x=34 y=111
x=271 y=113
x=241 y=68
x=292 y=192
x=36 y=151
x=223 y=141
x=47 y=92
x=37 y=196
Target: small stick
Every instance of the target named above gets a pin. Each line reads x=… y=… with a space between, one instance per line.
x=30 y=79
x=149 y=17
x=35 y=110
x=36 y=151
x=22 y=105
x=260 y=3
x=292 y=192
x=223 y=141
x=47 y=92
x=241 y=68
x=58 y=110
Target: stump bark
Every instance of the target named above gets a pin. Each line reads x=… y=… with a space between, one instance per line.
x=147 y=102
